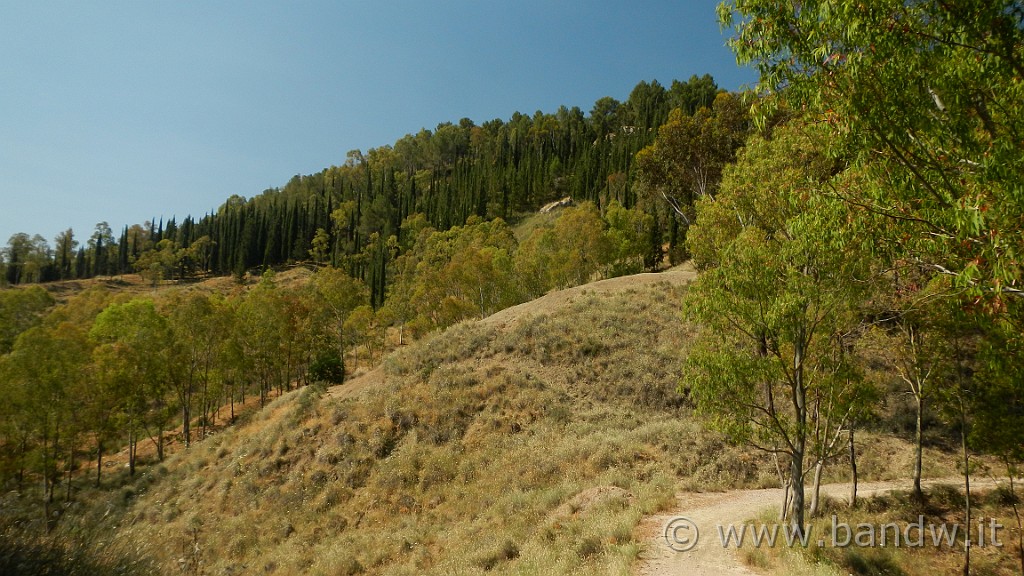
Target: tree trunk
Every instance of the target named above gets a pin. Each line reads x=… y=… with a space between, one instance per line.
x=967 y=493
x=99 y=461
x=1010 y=471
x=816 y=488
x=853 y=471
x=132 y=443
x=53 y=461
x=784 y=511
x=918 y=442
x=796 y=482
x=800 y=441
x=186 y=422
x=21 y=462
x=71 y=466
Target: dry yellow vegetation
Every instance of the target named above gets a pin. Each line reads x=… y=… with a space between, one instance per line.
x=532 y=442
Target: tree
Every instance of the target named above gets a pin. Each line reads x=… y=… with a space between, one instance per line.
x=448 y=276
x=28 y=259
x=195 y=337
x=908 y=336
x=19 y=311
x=198 y=257
x=999 y=422
x=41 y=361
x=685 y=161
x=694 y=94
x=778 y=308
x=339 y=295
x=321 y=247
x=261 y=326
x=101 y=245
x=927 y=97
x=569 y=252
x=635 y=240
x=159 y=263
x=66 y=245
x=132 y=358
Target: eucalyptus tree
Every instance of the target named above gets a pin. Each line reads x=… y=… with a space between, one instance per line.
x=778 y=299
x=45 y=365
x=338 y=295
x=260 y=329
x=686 y=159
x=196 y=334
x=132 y=357
x=927 y=96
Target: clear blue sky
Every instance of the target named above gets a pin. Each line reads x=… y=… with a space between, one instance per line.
x=124 y=110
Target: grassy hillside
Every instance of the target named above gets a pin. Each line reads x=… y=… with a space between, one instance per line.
x=531 y=442
x=529 y=446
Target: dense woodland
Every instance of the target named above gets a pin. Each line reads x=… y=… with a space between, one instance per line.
x=857 y=222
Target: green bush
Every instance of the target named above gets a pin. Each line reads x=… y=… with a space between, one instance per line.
x=329 y=368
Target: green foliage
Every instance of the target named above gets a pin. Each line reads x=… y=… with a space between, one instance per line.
x=686 y=160
x=635 y=239
x=338 y=294
x=19 y=311
x=460 y=273
x=328 y=367
x=772 y=368
x=160 y=263
x=572 y=250
x=765 y=188
x=927 y=97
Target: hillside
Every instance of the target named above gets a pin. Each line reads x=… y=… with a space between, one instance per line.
x=480 y=435
x=531 y=442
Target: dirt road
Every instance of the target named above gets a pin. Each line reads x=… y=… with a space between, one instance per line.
x=707 y=511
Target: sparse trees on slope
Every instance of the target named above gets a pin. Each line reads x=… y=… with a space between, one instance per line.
x=44 y=365
x=338 y=294
x=463 y=272
x=131 y=357
x=194 y=339
x=19 y=311
x=261 y=326
x=569 y=252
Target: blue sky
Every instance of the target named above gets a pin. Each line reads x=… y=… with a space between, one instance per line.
x=124 y=111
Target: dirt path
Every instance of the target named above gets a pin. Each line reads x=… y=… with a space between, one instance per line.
x=708 y=510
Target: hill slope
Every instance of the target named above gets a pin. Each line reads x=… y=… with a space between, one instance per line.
x=531 y=442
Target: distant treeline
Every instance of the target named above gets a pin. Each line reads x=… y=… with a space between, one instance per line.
x=346 y=213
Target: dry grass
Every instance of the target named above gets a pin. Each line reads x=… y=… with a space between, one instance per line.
x=942 y=505
x=530 y=445
x=532 y=448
